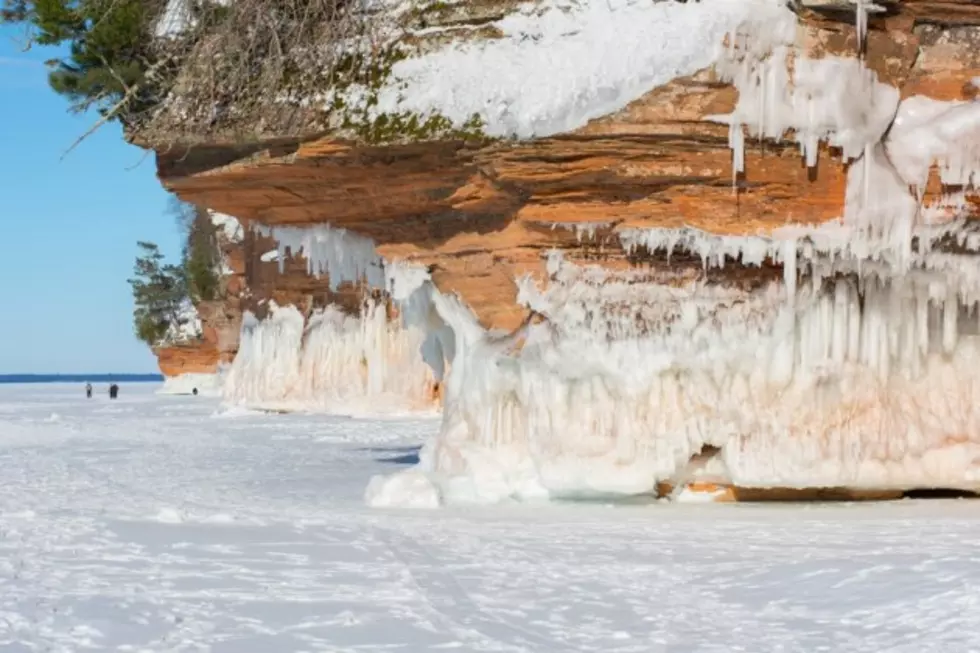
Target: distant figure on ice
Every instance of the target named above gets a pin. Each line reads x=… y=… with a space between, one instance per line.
x=194 y=392
x=88 y=390
x=113 y=391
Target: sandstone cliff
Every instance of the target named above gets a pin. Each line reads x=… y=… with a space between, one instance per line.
x=251 y=277
x=482 y=215
x=766 y=276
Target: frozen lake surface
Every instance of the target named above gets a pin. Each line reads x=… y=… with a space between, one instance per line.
x=172 y=524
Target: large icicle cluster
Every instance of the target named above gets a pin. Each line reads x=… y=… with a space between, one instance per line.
x=839 y=101
x=333 y=362
x=832 y=99
x=856 y=370
x=861 y=385
x=341 y=255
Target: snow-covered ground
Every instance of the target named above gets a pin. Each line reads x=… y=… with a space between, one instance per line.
x=164 y=523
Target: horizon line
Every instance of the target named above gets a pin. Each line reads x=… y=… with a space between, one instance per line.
x=32 y=374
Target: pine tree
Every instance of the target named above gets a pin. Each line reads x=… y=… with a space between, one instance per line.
x=201 y=257
x=110 y=50
x=158 y=290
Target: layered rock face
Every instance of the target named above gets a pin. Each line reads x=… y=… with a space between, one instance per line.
x=318 y=330
x=187 y=359
x=267 y=290
x=764 y=234
x=208 y=339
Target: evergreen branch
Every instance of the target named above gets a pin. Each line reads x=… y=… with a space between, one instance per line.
x=131 y=91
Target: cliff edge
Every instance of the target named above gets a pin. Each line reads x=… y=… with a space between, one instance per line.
x=733 y=244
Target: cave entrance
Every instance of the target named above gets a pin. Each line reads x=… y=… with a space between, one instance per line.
x=940 y=493
x=705 y=472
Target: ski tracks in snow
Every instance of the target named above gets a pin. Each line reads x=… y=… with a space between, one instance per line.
x=168 y=524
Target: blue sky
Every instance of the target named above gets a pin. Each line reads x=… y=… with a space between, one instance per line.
x=69 y=229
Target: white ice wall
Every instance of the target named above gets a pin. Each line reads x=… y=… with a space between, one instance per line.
x=188 y=326
x=332 y=362
x=625 y=381
x=329 y=363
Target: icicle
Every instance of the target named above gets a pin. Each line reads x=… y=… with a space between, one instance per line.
x=343 y=256
x=854 y=327
x=908 y=351
x=922 y=318
x=789 y=269
x=861 y=22
x=951 y=313
x=935 y=326
x=736 y=141
x=763 y=100
x=841 y=320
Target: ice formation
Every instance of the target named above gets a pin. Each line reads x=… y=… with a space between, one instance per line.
x=341 y=255
x=186 y=327
x=231 y=229
x=861 y=384
x=838 y=101
x=853 y=369
x=333 y=362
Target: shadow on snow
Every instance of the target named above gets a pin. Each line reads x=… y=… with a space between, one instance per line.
x=408 y=455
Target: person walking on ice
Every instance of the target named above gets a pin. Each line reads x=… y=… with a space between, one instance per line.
x=113 y=391
x=88 y=390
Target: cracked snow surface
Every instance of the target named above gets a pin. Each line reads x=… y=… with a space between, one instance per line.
x=156 y=523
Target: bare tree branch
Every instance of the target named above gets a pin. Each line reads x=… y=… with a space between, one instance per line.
x=146 y=153
x=111 y=113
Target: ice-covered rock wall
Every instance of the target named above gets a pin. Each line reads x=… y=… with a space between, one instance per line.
x=331 y=361
x=781 y=197
x=854 y=369
x=858 y=383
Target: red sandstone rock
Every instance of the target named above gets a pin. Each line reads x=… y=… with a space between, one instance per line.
x=198 y=358
x=481 y=215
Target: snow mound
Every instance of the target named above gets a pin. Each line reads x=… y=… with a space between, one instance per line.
x=168 y=515
x=409 y=489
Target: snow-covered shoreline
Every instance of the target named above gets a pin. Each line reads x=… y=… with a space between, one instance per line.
x=170 y=523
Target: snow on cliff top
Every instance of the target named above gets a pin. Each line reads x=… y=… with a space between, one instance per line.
x=562 y=63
